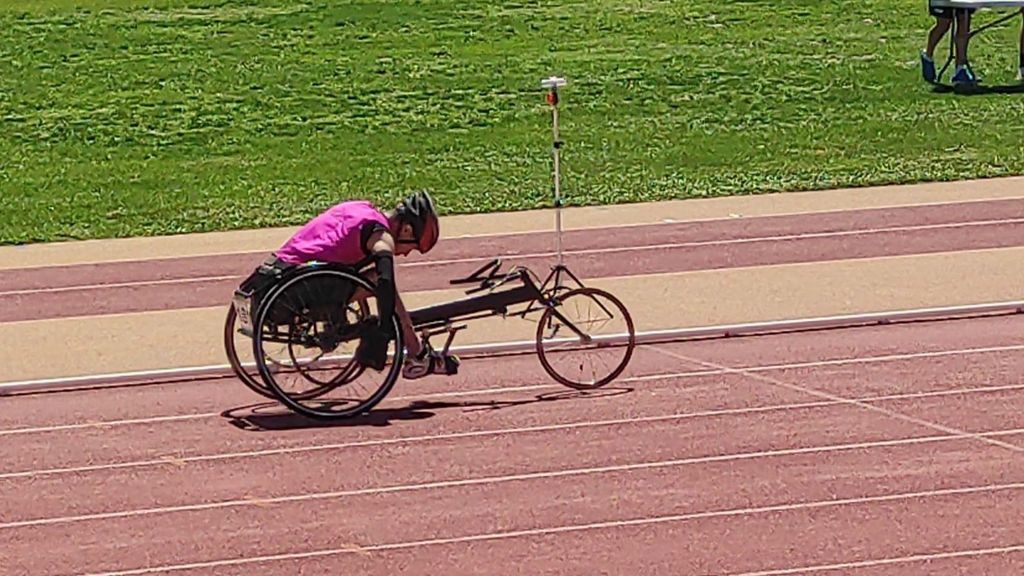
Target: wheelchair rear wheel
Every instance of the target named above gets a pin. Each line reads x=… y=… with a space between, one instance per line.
x=245 y=369
x=246 y=372
x=319 y=377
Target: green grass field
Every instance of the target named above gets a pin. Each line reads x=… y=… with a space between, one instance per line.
x=126 y=117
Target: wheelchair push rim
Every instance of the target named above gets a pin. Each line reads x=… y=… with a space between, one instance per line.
x=337 y=400
x=250 y=376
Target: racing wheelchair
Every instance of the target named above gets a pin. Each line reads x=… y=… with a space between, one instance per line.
x=304 y=324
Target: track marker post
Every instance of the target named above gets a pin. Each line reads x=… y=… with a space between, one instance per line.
x=552 y=84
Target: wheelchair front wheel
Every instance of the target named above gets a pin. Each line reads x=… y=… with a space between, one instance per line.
x=585 y=327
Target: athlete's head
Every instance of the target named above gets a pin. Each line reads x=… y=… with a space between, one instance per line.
x=417 y=224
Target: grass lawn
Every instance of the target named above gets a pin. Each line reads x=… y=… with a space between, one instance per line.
x=128 y=117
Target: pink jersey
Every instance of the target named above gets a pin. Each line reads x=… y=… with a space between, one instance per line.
x=334 y=236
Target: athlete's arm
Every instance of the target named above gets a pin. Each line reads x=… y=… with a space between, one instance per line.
x=382 y=248
x=412 y=344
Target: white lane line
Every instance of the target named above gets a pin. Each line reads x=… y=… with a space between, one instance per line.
x=644 y=521
x=178 y=461
x=312 y=496
x=584 y=228
x=514 y=233
x=853 y=360
x=171 y=281
x=814 y=392
x=104 y=424
x=580 y=252
x=886 y=561
x=727 y=242
x=205 y=415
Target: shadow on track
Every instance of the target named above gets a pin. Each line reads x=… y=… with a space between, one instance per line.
x=979 y=89
x=270 y=416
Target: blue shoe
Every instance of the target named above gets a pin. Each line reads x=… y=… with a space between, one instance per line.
x=927 y=68
x=964 y=76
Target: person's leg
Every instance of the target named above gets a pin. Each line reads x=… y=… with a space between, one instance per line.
x=1020 y=61
x=361 y=294
x=943 y=20
x=963 y=73
x=935 y=35
x=963 y=34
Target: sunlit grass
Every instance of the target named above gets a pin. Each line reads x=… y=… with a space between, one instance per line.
x=125 y=117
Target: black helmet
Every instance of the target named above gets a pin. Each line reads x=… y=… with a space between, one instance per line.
x=418 y=211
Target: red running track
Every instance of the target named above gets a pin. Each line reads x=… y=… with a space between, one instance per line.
x=866 y=451
x=195 y=282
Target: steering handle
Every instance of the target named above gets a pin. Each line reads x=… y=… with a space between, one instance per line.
x=491 y=268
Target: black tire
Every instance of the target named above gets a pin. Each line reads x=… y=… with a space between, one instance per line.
x=294 y=401
x=551 y=315
x=232 y=353
x=254 y=381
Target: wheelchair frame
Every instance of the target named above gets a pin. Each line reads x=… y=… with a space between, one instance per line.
x=446 y=317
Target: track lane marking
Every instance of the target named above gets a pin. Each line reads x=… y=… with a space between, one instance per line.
x=852 y=360
x=610 y=524
x=179 y=461
x=841 y=399
x=886 y=561
x=924 y=204
x=489 y=480
x=535 y=255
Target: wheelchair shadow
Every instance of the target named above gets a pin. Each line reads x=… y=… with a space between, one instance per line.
x=549 y=397
x=272 y=417
x=250 y=419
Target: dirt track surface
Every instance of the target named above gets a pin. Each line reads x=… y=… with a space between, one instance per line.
x=875 y=450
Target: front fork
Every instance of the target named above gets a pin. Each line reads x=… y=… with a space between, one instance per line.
x=449 y=362
x=451 y=329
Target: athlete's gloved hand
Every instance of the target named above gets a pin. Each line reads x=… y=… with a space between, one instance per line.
x=430 y=362
x=417 y=366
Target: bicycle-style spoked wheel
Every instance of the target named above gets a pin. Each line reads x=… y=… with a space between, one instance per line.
x=586 y=339
x=323 y=332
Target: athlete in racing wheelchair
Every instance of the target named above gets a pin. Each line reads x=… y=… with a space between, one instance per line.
x=355 y=233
